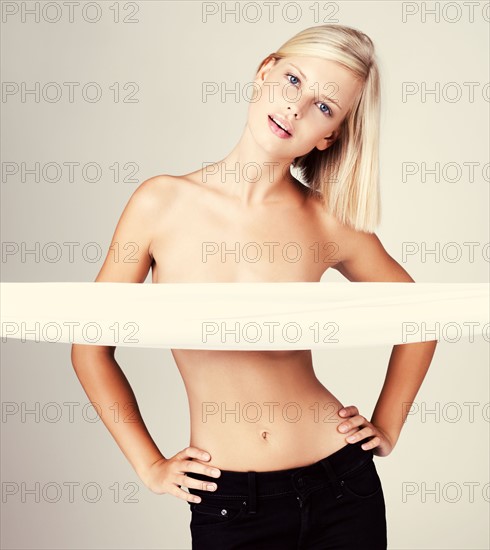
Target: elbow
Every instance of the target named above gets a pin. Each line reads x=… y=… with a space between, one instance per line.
x=80 y=353
x=77 y=352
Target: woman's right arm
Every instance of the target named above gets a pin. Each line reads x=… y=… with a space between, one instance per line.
x=99 y=373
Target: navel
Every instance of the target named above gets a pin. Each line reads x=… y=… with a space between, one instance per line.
x=264 y=434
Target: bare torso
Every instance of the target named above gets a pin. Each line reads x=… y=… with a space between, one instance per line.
x=251 y=410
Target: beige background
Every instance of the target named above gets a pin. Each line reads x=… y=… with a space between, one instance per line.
x=169 y=53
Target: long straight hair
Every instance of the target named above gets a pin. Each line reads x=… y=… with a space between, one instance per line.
x=346 y=174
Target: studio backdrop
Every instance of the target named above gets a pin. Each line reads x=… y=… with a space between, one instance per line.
x=99 y=96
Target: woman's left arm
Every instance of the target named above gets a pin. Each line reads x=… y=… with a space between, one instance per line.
x=364 y=259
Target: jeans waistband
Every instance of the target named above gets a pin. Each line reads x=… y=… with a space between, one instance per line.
x=275 y=482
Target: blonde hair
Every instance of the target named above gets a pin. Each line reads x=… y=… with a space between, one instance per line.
x=346 y=174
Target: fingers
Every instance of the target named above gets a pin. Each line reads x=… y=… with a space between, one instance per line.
x=189 y=461
x=188 y=481
x=351 y=410
x=353 y=422
x=207 y=485
x=371 y=444
x=184 y=495
x=189 y=465
x=363 y=434
x=199 y=468
x=193 y=452
x=353 y=419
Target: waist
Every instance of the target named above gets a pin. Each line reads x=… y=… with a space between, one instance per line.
x=274 y=450
x=255 y=437
x=267 y=483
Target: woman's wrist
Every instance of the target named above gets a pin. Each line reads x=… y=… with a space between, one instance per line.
x=144 y=473
x=391 y=434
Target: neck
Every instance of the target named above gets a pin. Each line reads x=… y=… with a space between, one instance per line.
x=253 y=175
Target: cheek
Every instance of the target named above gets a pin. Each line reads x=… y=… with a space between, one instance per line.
x=255 y=98
x=315 y=128
x=262 y=103
x=255 y=114
x=269 y=97
x=325 y=127
x=258 y=110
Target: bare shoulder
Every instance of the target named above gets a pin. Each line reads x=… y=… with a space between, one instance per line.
x=168 y=187
x=158 y=188
x=330 y=228
x=158 y=194
x=362 y=256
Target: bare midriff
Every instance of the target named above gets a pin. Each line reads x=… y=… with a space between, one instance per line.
x=259 y=411
x=251 y=410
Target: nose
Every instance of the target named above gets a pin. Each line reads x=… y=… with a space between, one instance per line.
x=295 y=108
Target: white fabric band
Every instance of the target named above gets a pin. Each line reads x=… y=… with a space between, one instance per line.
x=244 y=316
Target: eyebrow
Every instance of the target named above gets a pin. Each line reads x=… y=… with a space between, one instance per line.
x=322 y=96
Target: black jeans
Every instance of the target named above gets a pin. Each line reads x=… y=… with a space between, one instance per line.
x=336 y=503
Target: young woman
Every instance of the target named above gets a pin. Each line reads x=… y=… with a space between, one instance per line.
x=253 y=476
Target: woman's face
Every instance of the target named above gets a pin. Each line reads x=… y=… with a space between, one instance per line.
x=309 y=96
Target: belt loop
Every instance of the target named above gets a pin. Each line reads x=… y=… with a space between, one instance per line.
x=252 y=493
x=332 y=476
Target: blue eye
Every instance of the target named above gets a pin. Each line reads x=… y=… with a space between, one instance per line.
x=328 y=111
x=292 y=76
